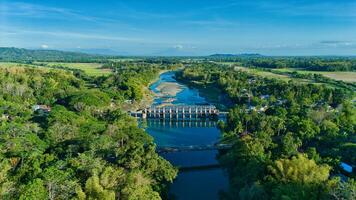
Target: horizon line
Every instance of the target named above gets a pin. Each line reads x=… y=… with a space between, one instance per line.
x=153 y=55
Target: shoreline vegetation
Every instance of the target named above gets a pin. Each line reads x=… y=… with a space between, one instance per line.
x=57 y=131
x=277 y=127
x=148 y=96
x=212 y=93
x=67 y=130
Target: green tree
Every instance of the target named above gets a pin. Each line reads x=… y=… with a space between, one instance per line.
x=94 y=190
x=344 y=190
x=298 y=178
x=34 y=190
x=290 y=145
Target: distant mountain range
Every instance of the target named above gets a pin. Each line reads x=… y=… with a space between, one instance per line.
x=237 y=55
x=106 y=52
x=19 y=54
x=12 y=54
x=76 y=55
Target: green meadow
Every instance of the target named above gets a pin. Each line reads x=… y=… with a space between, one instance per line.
x=339 y=75
x=92 y=69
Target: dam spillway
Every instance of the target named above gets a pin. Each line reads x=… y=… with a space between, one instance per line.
x=179 y=112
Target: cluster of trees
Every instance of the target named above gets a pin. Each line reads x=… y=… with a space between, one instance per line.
x=290 y=149
x=307 y=63
x=311 y=63
x=130 y=79
x=77 y=146
x=319 y=78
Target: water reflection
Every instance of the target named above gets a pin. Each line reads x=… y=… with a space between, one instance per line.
x=205 y=183
x=187 y=95
x=199 y=185
x=173 y=123
x=192 y=158
x=182 y=133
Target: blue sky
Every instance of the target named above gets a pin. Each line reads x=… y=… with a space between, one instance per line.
x=182 y=27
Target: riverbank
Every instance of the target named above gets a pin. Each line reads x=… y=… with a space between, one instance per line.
x=199 y=176
x=148 y=96
x=169 y=89
x=211 y=93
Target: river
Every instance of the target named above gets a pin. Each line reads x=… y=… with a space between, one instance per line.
x=190 y=184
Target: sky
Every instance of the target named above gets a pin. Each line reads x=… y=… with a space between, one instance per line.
x=182 y=27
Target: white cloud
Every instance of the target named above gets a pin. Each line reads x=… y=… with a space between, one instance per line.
x=213 y=22
x=20 y=9
x=44 y=46
x=67 y=34
x=178 y=46
x=34 y=10
x=186 y=47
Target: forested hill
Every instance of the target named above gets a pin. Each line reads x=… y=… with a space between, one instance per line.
x=10 y=54
x=235 y=55
x=60 y=139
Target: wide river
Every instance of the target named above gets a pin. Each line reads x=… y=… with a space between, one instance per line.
x=190 y=184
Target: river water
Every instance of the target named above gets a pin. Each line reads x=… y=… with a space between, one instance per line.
x=194 y=184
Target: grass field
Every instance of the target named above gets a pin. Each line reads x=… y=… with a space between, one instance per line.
x=265 y=73
x=256 y=71
x=343 y=76
x=11 y=64
x=92 y=69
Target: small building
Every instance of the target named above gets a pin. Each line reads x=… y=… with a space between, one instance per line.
x=266 y=96
x=251 y=108
x=129 y=101
x=346 y=167
x=281 y=102
x=251 y=81
x=329 y=109
x=43 y=108
x=4 y=117
x=263 y=109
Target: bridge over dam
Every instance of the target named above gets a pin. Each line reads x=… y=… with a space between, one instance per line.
x=180 y=123
x=171 y=149
x=179 y=112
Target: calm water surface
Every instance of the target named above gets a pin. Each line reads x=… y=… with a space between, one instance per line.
x=194 y=184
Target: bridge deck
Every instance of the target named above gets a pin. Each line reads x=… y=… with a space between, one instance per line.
x=179 y=111
x=163 y=149
x=172 y=123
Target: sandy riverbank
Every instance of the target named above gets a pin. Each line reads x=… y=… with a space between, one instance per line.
x=148 y=97
x=168 y=89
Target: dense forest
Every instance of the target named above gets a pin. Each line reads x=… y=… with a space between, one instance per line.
x=131 y=78
x=65 y=135
x=19 y=55
x=27 y=56
x=62 y=137
x=320 y=63
x=314 y=64
x=288 y=139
